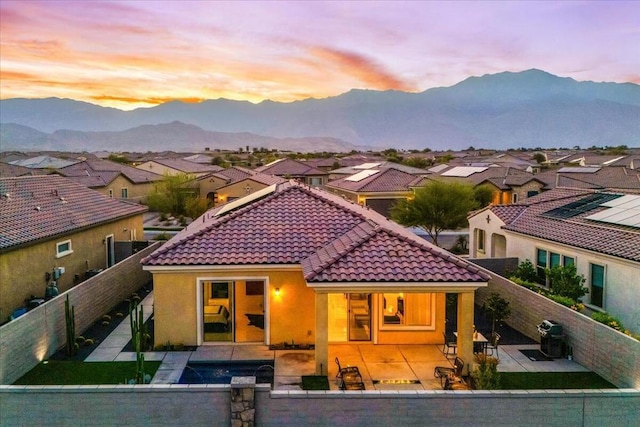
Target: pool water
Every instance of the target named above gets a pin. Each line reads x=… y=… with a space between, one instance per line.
x=221 y=372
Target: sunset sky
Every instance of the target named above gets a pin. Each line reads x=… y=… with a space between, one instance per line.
x=129 y=54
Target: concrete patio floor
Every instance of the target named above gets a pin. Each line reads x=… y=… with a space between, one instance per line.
x=383 y=367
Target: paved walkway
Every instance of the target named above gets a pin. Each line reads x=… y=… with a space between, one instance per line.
x=383 y=367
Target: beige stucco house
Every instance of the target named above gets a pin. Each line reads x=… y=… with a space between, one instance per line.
x=292 y=263
x=51 y=226
x=597 y=231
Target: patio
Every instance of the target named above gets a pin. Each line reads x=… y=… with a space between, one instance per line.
x=383 y=367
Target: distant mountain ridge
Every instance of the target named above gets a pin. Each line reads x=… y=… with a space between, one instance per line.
x=524 y=109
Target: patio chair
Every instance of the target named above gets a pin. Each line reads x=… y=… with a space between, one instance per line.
x=449 y=345
x=349 y=378
x=448 y=374
x=493 y=344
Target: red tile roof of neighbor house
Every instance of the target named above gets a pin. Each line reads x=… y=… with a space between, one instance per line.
x=529 y=217
x=386 y=180
x=39 y=207
x=290 y=167
x=99 y=173
x=236 y=174
x=186 y=166
x=331 y=238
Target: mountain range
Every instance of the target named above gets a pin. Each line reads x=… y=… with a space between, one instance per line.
x=506 y=110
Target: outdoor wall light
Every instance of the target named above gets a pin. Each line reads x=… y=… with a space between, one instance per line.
x=277 y=292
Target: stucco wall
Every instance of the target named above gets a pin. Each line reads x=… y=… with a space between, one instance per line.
x=22 y=271
x=199 y=405
x=622 y=282
x=29 y=339
x=292 y=313
x=611 y=354
x=239 y=189
x=137 y=192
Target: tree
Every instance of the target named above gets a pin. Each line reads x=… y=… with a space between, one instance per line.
x=540 y=158
x=437 y=206
x=498 y=308
x=171 y=194
x=483 y=194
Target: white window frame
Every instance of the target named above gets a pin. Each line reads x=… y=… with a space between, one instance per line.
x=59 y=253
x=110 y=193
x=124 y=193
x=514 y=198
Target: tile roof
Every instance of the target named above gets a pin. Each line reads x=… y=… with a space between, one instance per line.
x=41 y=207
x=300 y=225
x=350 y=170
x=290 y=167
x=99 y=173
x=389 y=257
x=528 y=218
x=7 y=170
x=386 y=180
x=186 y=166
x=42 y=162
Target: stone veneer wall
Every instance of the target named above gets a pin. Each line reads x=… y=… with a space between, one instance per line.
x=34 y=336
x=208 y=405
x=611 y=354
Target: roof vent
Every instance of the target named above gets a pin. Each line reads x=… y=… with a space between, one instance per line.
x=37 y=208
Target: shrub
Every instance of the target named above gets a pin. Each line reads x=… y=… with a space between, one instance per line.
x=565 y=281
x=608 y=320
x=526 y=271
x=486 y=375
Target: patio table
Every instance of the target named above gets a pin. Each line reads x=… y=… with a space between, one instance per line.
x=479 y=342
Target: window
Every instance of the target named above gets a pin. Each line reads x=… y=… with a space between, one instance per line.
x=541 y=264
x=597 y=284
x=410 y=311
x=514 y=198
x=531 y=193
x=63 y=248
x=315 y=181
x=554 y=259
x=567 y=260
x=480 y=236
x=110 y=193
x=124 y=193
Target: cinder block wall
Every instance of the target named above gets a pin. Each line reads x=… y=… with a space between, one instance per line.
x=34 y=336
x=209 y=405
x=611 y=354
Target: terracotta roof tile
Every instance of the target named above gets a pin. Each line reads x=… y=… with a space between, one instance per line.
x=386 y=180
x=333 y=239
x=40 y=207
x=290 y=167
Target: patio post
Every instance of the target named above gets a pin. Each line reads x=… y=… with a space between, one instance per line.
x=465 y=328
x=322 y=334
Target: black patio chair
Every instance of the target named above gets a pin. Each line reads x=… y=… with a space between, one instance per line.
x=448 y=374
x=449 y=344
x=349 y=378
x=493 y=343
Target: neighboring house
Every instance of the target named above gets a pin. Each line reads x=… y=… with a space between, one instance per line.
x=43 y=162
x=379 y=189
x=7 y=170
x=615 y=178
x=232 y=183
x=598 y=232
x=177 y=166
x=51 y=225
x=509 y=185
x=112 y=179
x=296 y=264
x=293 y=169
x=203 y=159
x=375 y=165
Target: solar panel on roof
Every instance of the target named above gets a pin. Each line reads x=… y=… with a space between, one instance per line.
x=361 y=175
x=464 y=171
x=581 y=206
x=624 y=210
x=246 y=200
x=367 y=165
x=578 y=170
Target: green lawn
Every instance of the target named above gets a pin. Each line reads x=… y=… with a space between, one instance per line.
x=552 y=380
x=56 y=372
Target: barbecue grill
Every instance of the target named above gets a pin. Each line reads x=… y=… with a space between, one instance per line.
x=551 y=338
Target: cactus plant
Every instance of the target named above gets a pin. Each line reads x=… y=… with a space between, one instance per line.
x=70 y=320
